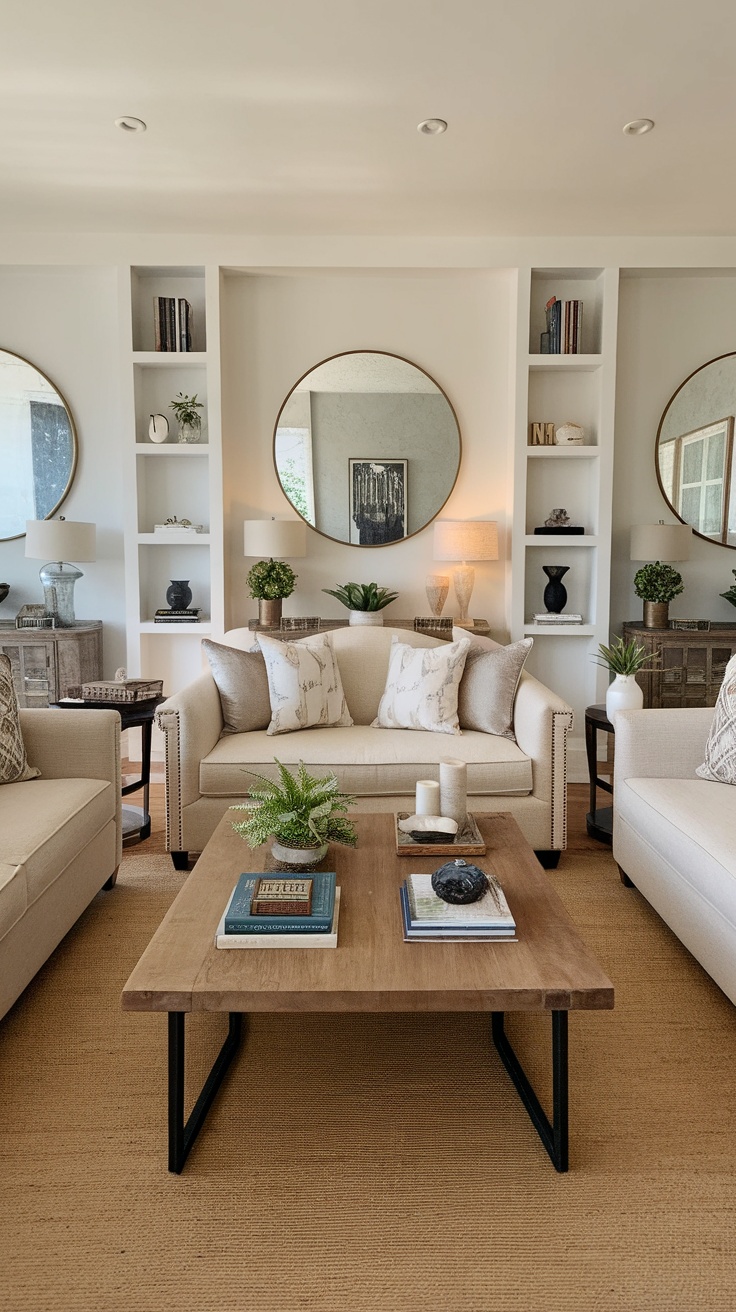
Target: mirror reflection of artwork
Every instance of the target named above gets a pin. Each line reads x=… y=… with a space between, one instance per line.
x=695 y=451
x=377 y=502
x=38 y=446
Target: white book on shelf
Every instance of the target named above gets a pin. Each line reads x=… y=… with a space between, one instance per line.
x=223 y=940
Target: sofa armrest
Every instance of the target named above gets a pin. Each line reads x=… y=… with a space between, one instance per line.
x=542 y=721
x=664 y=743
x=191 y=722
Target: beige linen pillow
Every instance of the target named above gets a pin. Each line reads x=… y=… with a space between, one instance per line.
x=14 y=767
x=242 y=684
x=304 y=684
x=421 y=687
x=720 y=749
x=488 y=686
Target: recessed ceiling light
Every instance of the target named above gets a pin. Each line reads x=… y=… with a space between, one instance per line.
x=129 y=124
x=431 y=127
x=638 y=126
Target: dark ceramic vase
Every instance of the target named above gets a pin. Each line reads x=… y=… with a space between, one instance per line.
x=555 y=593
x=459 y=881
x=179 y=594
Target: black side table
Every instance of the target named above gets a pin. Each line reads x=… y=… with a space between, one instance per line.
x=599 y=820
x=133 y=715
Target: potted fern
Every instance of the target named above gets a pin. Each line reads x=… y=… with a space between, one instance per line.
x=364 y=601
x=301 y=813
x=624 y=660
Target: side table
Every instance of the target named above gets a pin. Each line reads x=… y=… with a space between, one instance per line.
x=599 y=820
x=133 y=715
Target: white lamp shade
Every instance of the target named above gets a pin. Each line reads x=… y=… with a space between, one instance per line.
x=60 y=539
x=660 y=542
x=281 y=538
x=465 y=539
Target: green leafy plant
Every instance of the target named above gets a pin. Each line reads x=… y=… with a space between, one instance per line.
x=362 y=596
x=657 y=582
x=623 y=657
x=731 y=594
x=299 y=811
x=185 y=408
x=270 y=579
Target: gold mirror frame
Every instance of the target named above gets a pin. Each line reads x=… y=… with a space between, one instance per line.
x=392 y=355
x=13 y=537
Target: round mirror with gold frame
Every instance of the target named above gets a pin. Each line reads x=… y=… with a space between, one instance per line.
x=694 y=453
x=367 y=448
x=38 y=446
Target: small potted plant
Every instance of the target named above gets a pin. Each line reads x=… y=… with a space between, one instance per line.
x=364 y=601
x=301 y=813
x=657 y=584
x=623 y=659
x=269 y=582
x=728 y=596
x=189 y=420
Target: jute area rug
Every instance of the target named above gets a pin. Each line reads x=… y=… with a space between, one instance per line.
x=367 y=1162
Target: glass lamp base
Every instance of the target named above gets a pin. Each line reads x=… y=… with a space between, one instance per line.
x=58 y=579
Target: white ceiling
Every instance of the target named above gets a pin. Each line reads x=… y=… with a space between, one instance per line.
x=300 y=117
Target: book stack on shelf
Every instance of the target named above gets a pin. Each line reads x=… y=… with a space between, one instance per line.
x=173 y=323
x=267 y=911
x=564 y=617
x=564 y=333
x=427 y=918
x=186 y=615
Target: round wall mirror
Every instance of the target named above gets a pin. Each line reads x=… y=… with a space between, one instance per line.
x=695 y=451
x=367 y=448
x=38 y=446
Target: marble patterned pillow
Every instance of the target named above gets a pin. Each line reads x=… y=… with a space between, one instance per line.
x=304 y=684
x=422 y=687
x=14 y=767
x=720 y=749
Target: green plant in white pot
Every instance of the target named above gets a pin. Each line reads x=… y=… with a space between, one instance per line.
x=624 y=660
x=301 y=813
x=365 y=601
x=657 y=584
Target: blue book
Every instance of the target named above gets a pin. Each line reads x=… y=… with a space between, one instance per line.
x=238 y=919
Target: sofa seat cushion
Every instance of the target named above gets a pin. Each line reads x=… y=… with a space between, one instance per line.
x=13 y=896
x=691 y=823
x=368 y=762
x=46 y=823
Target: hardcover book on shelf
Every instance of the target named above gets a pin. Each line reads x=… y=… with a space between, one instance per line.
x=239 y=917
x=425 y=915
x=426 y=933
x=326 y=939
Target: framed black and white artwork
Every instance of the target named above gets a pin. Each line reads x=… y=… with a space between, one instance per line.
x=377 y=501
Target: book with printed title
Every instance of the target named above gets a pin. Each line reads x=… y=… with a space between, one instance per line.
x=427 y=916
x=239 y=919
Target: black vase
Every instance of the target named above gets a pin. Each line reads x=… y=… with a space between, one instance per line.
x=555 y=593
x=179 y=594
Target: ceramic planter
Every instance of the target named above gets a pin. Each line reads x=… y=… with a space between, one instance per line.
x=624 y=694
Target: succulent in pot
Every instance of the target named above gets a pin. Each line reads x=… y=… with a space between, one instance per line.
x=300 y=812
x=728 y=596
x=657 y=584
x=623 y=659
x=364 y=601
x=269 y=581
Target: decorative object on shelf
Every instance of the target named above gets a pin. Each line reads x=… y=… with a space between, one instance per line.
x=422 y=838
x=569 y=434
x=378 y=501
x=440 y=623
x=295 y=623
x=454 y=790
x=57 y=540
x=177 y=615
x=460 y=882
x=158 y=428
x=39 y=445
x=190 y=422
x=551 y=617
x=559 y=524
x=437 y=586
x=623 y=659
x=184 y=527
x=657 y=583
x=429 y=828
x=34 y=616
x=427 y=797
x=541 y=434
x=301 y=813
x=693 y=626
x=555 y=593
x=558 y=519
x=364 y=601
x=179 y=594
x=464 y=540
x=727 y=596
x=122 y=690
x=4 y=590
x=270 y=581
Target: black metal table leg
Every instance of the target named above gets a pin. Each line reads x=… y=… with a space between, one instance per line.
x=554 y=1136
x=182 y=1134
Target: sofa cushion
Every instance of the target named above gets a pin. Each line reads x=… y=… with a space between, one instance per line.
x=720 y=749
x=421 y=687
x=13 y=764
x=44 y=827
x=242 y=684
x=488 y=686
x=362 y=655
x=304 y=684
x=13 y=896
x=368 y=762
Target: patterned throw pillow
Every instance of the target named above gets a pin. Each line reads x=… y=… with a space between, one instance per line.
x=422 y=686
x=14 y=767
x=304 y=684
x=488 y=686
x=720 y=749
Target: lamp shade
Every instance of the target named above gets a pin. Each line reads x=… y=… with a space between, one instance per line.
x=280 y=538
x=660 y=541
x=60 y=539
x=465 y=539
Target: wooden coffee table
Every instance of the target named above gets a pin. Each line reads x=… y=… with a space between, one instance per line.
x=372 y=969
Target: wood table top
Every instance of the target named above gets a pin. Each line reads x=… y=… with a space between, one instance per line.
x=372 y=969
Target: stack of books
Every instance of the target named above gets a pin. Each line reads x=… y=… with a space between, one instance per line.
x=187 y=615
x=427 y=918
x=564 y=333
x=267 y=911
x=564 y=617
x=172 y=323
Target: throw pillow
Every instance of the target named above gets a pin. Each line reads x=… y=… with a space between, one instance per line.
x=488 y=686
x=720 y=749
x=242 y=684
x=421 y=687
x=304 y=684
x=14 y=767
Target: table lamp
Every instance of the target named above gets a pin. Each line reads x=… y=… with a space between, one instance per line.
x=57 y=541
x=274 y=539
x=660 y=543
x=464 y=540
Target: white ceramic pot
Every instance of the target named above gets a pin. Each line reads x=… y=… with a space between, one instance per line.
x=624 y=694
x=299 y=857
x=374 y=617
x=158 y=428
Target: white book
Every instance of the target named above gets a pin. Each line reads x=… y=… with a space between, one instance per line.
x=428 y=911
x=223 y=940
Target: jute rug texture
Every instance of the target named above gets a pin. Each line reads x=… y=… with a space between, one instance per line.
x=354 y=1163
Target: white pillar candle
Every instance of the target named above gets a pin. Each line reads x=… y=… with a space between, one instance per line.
x=428 y=797
x=454 y=790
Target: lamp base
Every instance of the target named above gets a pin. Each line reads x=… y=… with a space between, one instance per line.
x=463 y=623
x=463 y=578
x=58 y=579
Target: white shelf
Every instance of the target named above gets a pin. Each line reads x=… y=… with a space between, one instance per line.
x=174 y=539
x=588 y=452
x=561 y=540
x=558 y=630
x=165 y=359
x=148 y=626
x=179 y=450
x=576 y=363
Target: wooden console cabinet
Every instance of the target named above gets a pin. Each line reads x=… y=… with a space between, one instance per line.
x=690 y=666
x=46 y=663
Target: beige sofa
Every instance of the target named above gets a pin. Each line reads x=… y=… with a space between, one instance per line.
x=674 y=835
x=60 y=836
x=206 y=771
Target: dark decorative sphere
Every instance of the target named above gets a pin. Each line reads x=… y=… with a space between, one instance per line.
x=459 y=881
